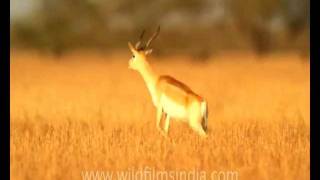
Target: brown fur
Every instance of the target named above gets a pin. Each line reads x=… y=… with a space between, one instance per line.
x=175 y=88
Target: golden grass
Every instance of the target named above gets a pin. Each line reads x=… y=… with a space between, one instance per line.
x=87 y=111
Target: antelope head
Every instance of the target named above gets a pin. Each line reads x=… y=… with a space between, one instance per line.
x=140 y=51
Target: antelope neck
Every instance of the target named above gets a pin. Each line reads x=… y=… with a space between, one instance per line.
x=150 y=78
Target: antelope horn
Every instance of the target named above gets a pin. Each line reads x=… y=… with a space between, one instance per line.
x=153 y=37
x=140 y=38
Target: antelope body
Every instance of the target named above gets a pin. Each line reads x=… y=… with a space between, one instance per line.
x=171 y=97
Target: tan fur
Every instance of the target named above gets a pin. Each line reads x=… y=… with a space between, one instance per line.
x=176 y=90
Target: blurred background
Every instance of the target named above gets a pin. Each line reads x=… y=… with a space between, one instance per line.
x=75 y=105
x=199 y=28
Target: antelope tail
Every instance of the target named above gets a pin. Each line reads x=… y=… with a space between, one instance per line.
x=204 y=115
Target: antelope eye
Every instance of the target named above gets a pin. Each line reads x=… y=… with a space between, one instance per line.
x=133 y=56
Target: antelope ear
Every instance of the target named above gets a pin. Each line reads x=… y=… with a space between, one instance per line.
x=133 y=50
x=147 y=52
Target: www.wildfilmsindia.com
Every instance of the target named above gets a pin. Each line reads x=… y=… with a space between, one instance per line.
x=148 y=173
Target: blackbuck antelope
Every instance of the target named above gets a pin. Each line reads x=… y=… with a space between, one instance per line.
x=171 y=97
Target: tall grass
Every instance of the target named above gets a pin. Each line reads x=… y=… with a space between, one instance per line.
x=89 y=112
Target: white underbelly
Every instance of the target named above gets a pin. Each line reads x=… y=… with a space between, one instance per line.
x=172 y=108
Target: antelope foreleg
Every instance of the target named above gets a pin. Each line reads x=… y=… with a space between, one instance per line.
x=160 y=114
x=167 y=124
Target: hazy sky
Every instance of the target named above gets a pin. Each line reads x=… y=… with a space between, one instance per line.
x=22 y=8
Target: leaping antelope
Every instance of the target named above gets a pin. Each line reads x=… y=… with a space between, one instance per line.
x=171 y=97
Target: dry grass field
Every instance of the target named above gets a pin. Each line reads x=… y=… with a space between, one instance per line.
x=88 y=111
